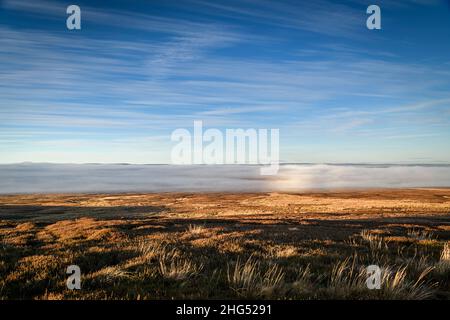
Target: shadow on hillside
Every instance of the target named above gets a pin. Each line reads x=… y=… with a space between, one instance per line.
x=55 y=213
x=264 y=226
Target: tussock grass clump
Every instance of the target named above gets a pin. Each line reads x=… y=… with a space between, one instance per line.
x=368 y=236
x=150 y=249
x=396 y=285
x=343 y=274
x=248 y=279
x=443 y=265
x=304 y=284
x=114 y=273
x=173 y=266
x=445 y=254
x=420 y=234
x=377 y=245
x=349 y=280
x=376 y=242
x=196 y=229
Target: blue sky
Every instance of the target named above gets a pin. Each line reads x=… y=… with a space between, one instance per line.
x=137 y=70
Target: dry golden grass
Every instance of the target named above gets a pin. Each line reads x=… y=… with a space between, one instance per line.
x=280 y=246
x=445 y=255
x=248 y=279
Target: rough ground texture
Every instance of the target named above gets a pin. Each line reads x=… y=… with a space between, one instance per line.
x=313 y=245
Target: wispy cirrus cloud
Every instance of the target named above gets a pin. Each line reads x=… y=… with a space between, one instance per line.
x=308 y=68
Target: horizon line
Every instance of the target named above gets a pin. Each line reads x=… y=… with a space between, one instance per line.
x=436 y=163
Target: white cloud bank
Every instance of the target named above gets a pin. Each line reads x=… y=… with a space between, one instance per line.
x=89 y=178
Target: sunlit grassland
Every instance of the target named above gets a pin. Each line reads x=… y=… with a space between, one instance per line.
x=270 y=246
